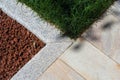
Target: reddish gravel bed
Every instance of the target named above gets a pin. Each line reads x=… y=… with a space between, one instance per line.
x=17 y=46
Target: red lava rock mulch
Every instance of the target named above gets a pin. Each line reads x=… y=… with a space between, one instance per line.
x=17 y=46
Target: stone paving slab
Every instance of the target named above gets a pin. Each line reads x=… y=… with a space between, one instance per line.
x=105 y=33
x=60 y=71
x=91 y=63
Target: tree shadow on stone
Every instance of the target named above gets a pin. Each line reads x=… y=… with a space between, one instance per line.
x=90 y=34
x=78 y=46
x=107 y=25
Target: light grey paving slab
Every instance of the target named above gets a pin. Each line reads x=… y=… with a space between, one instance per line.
x=0 y=4
x=105 y=33
x=42 y=60
x=28 y=18
x=60 y=71
x=90 y=62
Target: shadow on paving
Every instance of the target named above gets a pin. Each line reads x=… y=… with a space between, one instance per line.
x=91 y=35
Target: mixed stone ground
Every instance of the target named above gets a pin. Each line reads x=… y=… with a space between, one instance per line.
x=94 y=56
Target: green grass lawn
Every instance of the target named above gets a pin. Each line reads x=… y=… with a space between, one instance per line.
x=73 y=17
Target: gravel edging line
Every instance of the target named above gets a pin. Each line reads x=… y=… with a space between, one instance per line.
x=55 y=43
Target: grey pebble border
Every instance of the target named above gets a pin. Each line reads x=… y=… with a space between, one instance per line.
x=55 y=43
